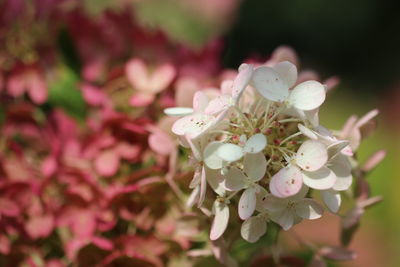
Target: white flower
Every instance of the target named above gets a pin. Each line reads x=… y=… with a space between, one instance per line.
x=289 y=211
x=254 y=168
x=221 y=218
x=274 y=84
x=308 y=167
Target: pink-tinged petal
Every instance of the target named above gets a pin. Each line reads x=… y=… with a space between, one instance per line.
x=234 y=180
x=93 y=95
x=9 y=207
x=200 y=101
x=253 y=228
x=227 y=87
x=137 y=74
x=374 y=160
x=307 y=95
x=337 y=253
x=284 y=53
x=37 y=89
x=308 y=209
x=287 y=182
x=270 y=84
x=141 y=100
x=247 y=203
x=107 y=163
x=242 y=80
x=218 y=105
x=311 y=155
x=287 y=71
x=40 y=226
x=366 y=118
x=321 y=179
x=221 y=219
x=162 y=77
x=161 y=143
x=332 y=200
x=185 y=89
x=49 y=166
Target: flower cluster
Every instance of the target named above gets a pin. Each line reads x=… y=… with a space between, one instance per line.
x=259 y=146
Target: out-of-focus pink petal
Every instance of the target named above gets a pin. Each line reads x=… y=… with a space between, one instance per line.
x=9 y=207
x=185 y=90
x=40 y=226
x=93 y=95
x=15 y=85
x=36 y=86
x=107 y=163
x=83 y=224
x=127 y=151
x=141 y=100
x=137 y=74
x=5 y=246
x=161 y=143
x=49 y=166
x=102 y=243
x=162 y=77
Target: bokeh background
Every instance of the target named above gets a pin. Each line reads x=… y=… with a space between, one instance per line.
x=358 y=41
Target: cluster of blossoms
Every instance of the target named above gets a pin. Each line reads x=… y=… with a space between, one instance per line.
x=259 y=146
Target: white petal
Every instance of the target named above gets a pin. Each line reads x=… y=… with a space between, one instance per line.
x=242 y=80
x=307 y=95
x=287 y=182
x=273 y=204
x=320 y=179
x=287 y=71
x=311 y=155
x=178 y=111
x=247 y=203
x=255 y=144
x=193 y=125
x=335 y=148
x=286 y=219
x=196 y=178
x=340 y=165
x=203 y=187
x=312 y=116
x=218 y=104
x=307 y=132
x=253 y=228
x=194 y=197
x=308 y=209
x=220 y=221
x=214 y=179
x=255 y=166
x=234 y=179
x=270 y=84
x=200 y=101
x=230 y=152
x=332 y=199
x=210 y=155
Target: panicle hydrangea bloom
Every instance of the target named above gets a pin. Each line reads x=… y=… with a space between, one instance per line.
x=263 y=151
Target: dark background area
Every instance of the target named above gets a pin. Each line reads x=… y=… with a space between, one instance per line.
x=358 y=40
